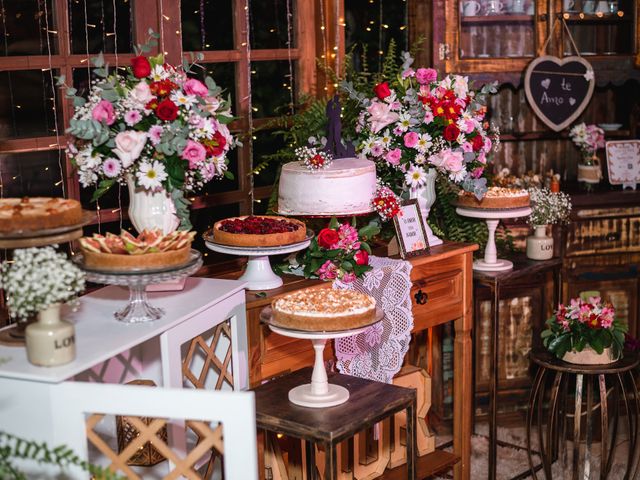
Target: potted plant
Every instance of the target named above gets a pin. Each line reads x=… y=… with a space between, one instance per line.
x=588 y=139
x=40 y=280
x=547 y=208
x=153 y=128
x=585 y=332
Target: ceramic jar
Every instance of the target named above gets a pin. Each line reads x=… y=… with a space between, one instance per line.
x=589 y=356
x=50 y=341
x=539 y=246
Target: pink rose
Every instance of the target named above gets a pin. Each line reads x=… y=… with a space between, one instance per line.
x=103 y=112
x=452 y=161
x=411 y=139
x=129 y=145
x=466 y=126
x=487 y=144
x=141 y=93
x=193 y=152
x=393 y=157
x=195 y=87
x=426 y=75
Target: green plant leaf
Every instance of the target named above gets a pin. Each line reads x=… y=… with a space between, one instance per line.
x=103 y=187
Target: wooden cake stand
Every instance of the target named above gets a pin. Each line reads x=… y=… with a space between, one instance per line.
x=319 y=393
x=491 y=262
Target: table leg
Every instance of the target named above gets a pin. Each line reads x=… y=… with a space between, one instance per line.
x=412 y=440
x=604 y=426
x=493 y=384
x=331 y=462
x=634 y=388
x=588 y=429
x=310 y=458
x=532 y=403
x=577 y=417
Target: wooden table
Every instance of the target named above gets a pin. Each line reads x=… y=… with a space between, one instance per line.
x=369 y=403
x=522 y=268
x=442 y=292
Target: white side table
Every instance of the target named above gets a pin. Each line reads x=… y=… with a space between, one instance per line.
x=109 y=351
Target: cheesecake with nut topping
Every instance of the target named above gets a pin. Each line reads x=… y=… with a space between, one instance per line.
x=496 y=198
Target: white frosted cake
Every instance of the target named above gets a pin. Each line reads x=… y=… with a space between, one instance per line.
x=346 y=187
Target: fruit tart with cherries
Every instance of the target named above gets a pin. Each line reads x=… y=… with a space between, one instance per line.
x=259 y=231
x=150 y=250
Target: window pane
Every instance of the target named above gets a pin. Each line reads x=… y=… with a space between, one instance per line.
x=24 y=28
x=92 y=25
x=373 y=23
x=224 y=75
x=207 y=25
x=31 y=174
x=26 y=104
x=271 y=87
x=266 y=143
x=269 y=26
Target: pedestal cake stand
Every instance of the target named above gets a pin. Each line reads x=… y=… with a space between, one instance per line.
x=139 y=310
x=491 y=262
x=258 y=273
x=319 y=393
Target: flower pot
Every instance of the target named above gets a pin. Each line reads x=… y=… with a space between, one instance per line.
x=426 y=196
x=51 y=340
x=590 y=173
x=150 y=210
x=539 y=246
x=589 y=356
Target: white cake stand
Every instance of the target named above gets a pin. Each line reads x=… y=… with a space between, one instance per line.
x=320 y=393
x=258 y=273
x=491 y=262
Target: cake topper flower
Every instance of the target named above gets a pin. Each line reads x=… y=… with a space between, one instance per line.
x=313 y=158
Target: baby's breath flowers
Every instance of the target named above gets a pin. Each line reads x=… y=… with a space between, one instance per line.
x=312 y=158
x=548 y=208
x=38 y=278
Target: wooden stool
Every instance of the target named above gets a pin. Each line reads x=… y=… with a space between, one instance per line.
x=369 y=403
x=573 y=394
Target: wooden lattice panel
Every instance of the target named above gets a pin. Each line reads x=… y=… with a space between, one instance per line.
x=212 y=362
x=210 y=439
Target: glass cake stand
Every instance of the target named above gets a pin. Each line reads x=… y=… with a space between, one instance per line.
x=319 y=393
x=139 y=310
x=258 y=273
x=491 y=262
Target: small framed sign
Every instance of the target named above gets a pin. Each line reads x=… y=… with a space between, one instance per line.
x=410 y=230
x=623 y=162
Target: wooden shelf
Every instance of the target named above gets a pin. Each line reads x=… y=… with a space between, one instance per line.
x=432 y=464
x=496 y=19
x=547 y=135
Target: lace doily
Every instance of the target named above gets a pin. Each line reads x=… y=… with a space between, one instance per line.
x=378 y=352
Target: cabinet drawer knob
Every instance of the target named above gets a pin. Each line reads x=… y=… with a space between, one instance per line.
x=421 y=297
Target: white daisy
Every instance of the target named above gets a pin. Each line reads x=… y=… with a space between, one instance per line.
x=424 y=143
x=182 y=99
x=367 y=145
x=159 y=73
x=415 y=177
x=420 y=159
x=385 y=140
x=404 y=122
x=150 y=176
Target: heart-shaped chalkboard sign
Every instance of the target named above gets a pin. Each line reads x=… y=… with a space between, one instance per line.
x=559 y=89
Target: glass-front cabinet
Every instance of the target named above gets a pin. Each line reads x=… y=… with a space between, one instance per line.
x=489 y=37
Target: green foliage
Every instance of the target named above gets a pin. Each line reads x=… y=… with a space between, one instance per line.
x=13 y=447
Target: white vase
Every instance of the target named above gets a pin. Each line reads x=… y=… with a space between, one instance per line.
x=151 y=210
x=426 y=196
x=50 y=341
x=589 y=356
x=539 y=246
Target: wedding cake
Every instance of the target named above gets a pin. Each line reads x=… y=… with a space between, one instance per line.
x=345 y=187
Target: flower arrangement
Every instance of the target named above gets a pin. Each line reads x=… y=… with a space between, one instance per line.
x=588 y=139
x=38 y=278
x=583 y=324
x=548 y=208
x=339 y=251
x=313 y=158
x=154 y=125
x=416 y=121
x=385 y=202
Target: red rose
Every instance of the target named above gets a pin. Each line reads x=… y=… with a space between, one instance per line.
x=477 y=143
x=451 y=132
x=382 y=90
x=361 y=257
x=140 y=66
x=327 y=238
x=167 y=110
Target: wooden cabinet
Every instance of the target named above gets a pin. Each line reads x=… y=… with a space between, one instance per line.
x=496 y=39
x=601 y=248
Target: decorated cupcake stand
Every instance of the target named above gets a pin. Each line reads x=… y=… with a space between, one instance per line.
x=319 y=393
x=491 y=262
x=258 y=273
